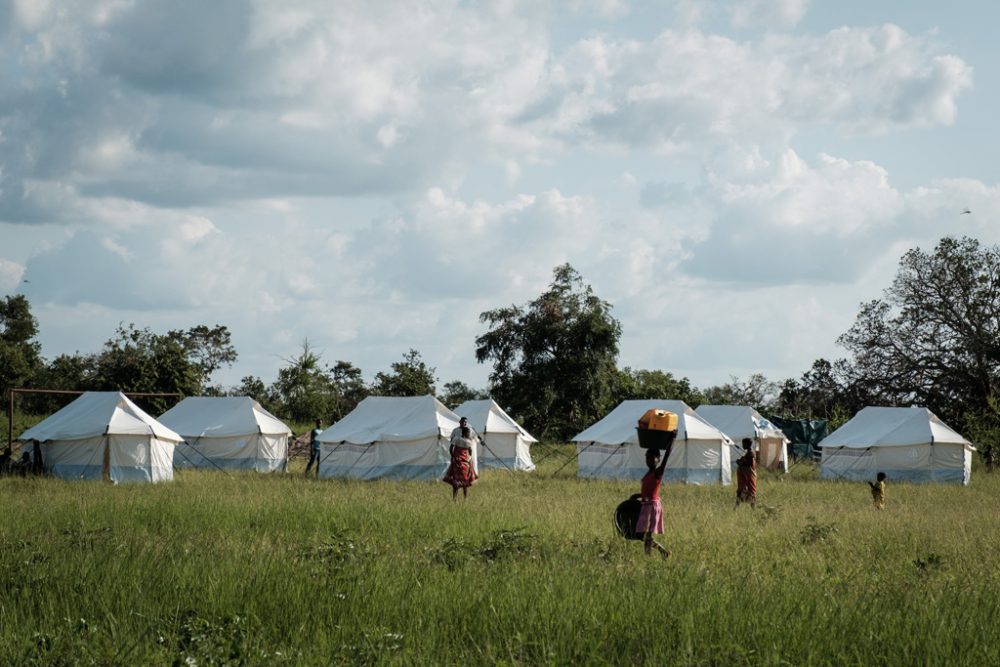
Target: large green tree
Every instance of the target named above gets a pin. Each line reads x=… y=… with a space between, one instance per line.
x=756 y=391
x=409 y=377
x=208 y=348
x=822 y=392
x=554 y=358
x=349 y=385
x=139 y=360
x=304 y=391
x=20 y=353
x=254 y=387
x=934 y=337
x=642 y=384
x=457 y=392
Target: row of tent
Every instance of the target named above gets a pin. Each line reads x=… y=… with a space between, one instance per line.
x=907 y=443
x=105 y=435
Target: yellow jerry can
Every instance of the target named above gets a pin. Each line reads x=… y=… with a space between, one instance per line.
x=655 y=419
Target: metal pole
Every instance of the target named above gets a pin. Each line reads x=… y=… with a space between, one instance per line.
x=10 y=424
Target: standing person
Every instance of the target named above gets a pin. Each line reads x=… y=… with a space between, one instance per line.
x=461 y=473
x=456 y=436
x=463 y=423
x=746 y=476
x=651 y=512
x=878 y=491
x=314 y=447
x=24 y=465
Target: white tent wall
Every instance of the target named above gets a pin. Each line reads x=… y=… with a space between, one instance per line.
x=505 y=450
x=391 y=438
x=691 y=462
x=72 y=459
x=137 y=459
x=907 y=444
x=772 y=453
x=117 y=458
x=256 y=452
x=161 y=457
x=609 y=449
x=228 y=433
x=424 y=459
x=944 y=462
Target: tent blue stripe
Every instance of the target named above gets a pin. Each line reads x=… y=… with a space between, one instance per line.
x=122 y=474
x=501 y=462
x=398 y=472
x=950 y=475
x=202 y=462
x=687 y=475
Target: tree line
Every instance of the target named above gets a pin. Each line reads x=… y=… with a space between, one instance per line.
x=932 y=339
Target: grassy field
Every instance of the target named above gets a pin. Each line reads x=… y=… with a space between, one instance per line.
x=219 y=568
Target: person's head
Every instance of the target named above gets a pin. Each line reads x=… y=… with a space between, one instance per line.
x=747 y=444
x=465 y=432
x=880 y=477
x=319 y=423
x=652 y=458
x=463 y=422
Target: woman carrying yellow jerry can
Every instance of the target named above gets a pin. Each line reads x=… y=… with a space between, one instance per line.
x=657 y=431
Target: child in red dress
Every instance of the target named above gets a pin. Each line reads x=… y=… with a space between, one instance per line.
x=651 y=515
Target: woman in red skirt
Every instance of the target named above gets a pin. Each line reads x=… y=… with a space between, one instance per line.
x=746 y=476
x=651 y=514
x=461 y=473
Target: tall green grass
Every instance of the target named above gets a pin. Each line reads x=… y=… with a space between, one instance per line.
x=219 y=568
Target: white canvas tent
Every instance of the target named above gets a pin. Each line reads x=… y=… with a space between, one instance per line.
x=504 y=443
x=742 y=421
x=909 y=444
x=227 y=432
x=390 y=437
x=610 y=448
x=104 y=435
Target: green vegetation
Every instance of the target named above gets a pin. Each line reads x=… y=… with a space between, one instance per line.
x=219 y=568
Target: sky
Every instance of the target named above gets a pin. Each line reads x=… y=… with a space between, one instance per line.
x=735 y=178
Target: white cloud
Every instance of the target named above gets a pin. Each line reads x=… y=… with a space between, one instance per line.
x=10 y=275
x=287 y=99
x=195 y=229
x=372 y=176
x=834 y=196
x=767 y=13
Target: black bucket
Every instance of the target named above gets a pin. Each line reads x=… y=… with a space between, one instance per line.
x=627 y=516
x=652 y=439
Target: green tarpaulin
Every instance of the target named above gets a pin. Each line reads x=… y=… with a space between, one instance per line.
x=804 y=434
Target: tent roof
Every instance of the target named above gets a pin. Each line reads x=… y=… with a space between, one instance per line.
x=392 y=419
x=220 y=417
x=97 y=413
x=488 y=417
x=739 y=421
x=619 y=425
x=887 y=427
